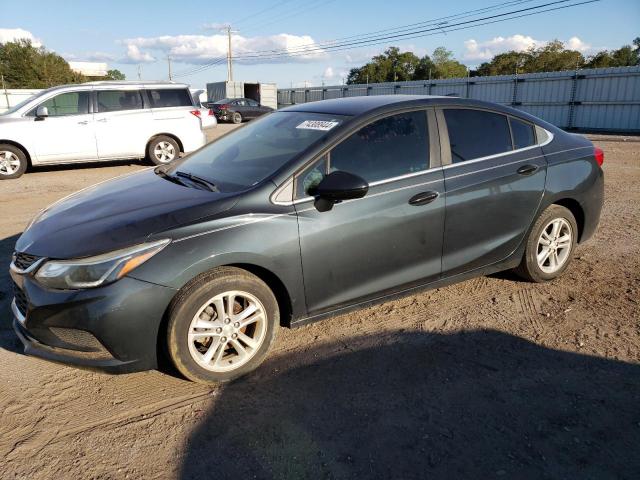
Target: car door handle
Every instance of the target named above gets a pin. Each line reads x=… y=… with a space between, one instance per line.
x=103 y=120
x=423 y=198
x=84 y=122
x=527 y=169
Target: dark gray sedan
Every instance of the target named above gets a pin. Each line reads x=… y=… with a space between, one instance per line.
x=309 y=212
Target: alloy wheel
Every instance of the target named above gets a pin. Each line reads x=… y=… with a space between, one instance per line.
x=227 y=331
x=9 y=163
x=554 y=245
x=164 y=152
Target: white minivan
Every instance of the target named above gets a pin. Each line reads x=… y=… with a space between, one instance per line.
x=101 y=121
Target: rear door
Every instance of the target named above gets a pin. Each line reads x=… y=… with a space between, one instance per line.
x=68 y=133
x=389 y=239
x=171 y=112
x=494 y=176
x=122 y=123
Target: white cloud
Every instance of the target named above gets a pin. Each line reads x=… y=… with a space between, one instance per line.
x=481 y=51
x=486 y=50
x=200 y=49
x=134 y=55
x=13 y=34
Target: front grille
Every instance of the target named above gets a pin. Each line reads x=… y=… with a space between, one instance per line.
x=21 y=299
x=24 y=260
x=78 y=339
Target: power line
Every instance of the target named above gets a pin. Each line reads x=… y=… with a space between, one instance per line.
x=413 y=34
x=216 y=61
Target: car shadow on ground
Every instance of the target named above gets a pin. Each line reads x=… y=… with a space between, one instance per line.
x=481 y=404
x=87 y=165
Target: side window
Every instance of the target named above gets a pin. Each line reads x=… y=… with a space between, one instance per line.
x=240 y=103
x=170 y=97
x=118 y=100
x=523 y=134
x=72 y=103
x=476 y=133
x=390 y=147
x=252 y=103
x=310 y=177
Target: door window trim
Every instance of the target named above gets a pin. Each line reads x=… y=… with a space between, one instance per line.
x=284 y=194
x=446 y=146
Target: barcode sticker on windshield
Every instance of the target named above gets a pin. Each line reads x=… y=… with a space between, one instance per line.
x=317 y=125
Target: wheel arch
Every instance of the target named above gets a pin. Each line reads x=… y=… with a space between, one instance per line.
x=576 y=209
x=21 y=147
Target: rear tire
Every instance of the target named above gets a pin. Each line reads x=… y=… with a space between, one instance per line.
x=13 y=162
x=550 y=245
x=207 y=341
x=236 y=118
x=162 y=150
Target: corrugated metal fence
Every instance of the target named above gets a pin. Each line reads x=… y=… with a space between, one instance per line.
x=605 y=99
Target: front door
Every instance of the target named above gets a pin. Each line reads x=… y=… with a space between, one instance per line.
x=68 y=133
x=388 y=240
x=494 y=184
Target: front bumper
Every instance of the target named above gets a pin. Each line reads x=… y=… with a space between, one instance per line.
x=112 y=328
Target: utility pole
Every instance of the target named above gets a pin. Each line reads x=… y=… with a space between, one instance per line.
x=169 y=62
x=6 y=94
x=139 y=72
x=227 y=29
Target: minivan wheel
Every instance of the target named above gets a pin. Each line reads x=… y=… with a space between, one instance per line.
x=236 y=118
x=549 y=246
x=221 y=325
x=13 y=162
x=162 y=150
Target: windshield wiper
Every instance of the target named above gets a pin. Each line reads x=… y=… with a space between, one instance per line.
x=161 y=171
x=199 y=180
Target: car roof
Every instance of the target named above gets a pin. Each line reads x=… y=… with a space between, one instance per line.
x=121 y=83
x=355 y=106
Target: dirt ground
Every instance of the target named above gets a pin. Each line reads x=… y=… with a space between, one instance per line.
x=490 y=378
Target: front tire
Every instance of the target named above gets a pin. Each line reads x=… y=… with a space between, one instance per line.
x=221 y=325
x=13 y=162
x=236 y=118
x=550 y=245
x=162 y=150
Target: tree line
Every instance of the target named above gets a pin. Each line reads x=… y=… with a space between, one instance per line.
x=23 y=65
x=396 y=66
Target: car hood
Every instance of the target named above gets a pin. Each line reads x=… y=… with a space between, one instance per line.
x=116 y=214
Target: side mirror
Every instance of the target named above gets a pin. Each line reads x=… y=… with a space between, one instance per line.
x=42 y=112
x=338 y=186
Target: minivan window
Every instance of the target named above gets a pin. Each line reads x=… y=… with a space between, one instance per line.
x=476 y=133
x=523 y=134
x=252 y=153
x=391 y=147
x=118 y=100
x=170 y=97
x=70 y=103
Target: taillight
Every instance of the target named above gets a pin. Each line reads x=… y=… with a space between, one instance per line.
x=599 y=154
x=197 y=113
x=211 y=114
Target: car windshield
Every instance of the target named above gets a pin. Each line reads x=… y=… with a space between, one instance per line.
x=255 y=151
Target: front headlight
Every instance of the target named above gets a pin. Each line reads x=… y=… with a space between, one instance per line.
x=95 y=271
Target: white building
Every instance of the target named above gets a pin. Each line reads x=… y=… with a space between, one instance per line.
x=90 y=69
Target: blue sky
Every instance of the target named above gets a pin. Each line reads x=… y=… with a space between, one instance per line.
x=140 y=34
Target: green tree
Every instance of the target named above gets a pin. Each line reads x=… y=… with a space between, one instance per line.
x=425 y=69
x=25 y=66
x=552 y=57
x=446 y=66
x=506 y=63
x=390 y=66
x=115 y=75
x=625 y=56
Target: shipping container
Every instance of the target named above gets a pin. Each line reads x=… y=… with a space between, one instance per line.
x=264 y=93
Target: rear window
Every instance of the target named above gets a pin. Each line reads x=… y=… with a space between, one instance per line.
x=523 y=134
x=476 y=133
x=171 y=97
x=118 y=100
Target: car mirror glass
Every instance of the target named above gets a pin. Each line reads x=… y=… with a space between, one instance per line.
x=42 y=112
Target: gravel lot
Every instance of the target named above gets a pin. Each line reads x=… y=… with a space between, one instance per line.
x=489 y=378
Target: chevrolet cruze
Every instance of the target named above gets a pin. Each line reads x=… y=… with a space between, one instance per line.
x=308 y=212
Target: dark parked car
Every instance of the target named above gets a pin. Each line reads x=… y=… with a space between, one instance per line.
x=237 y=109
x=306 y=213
